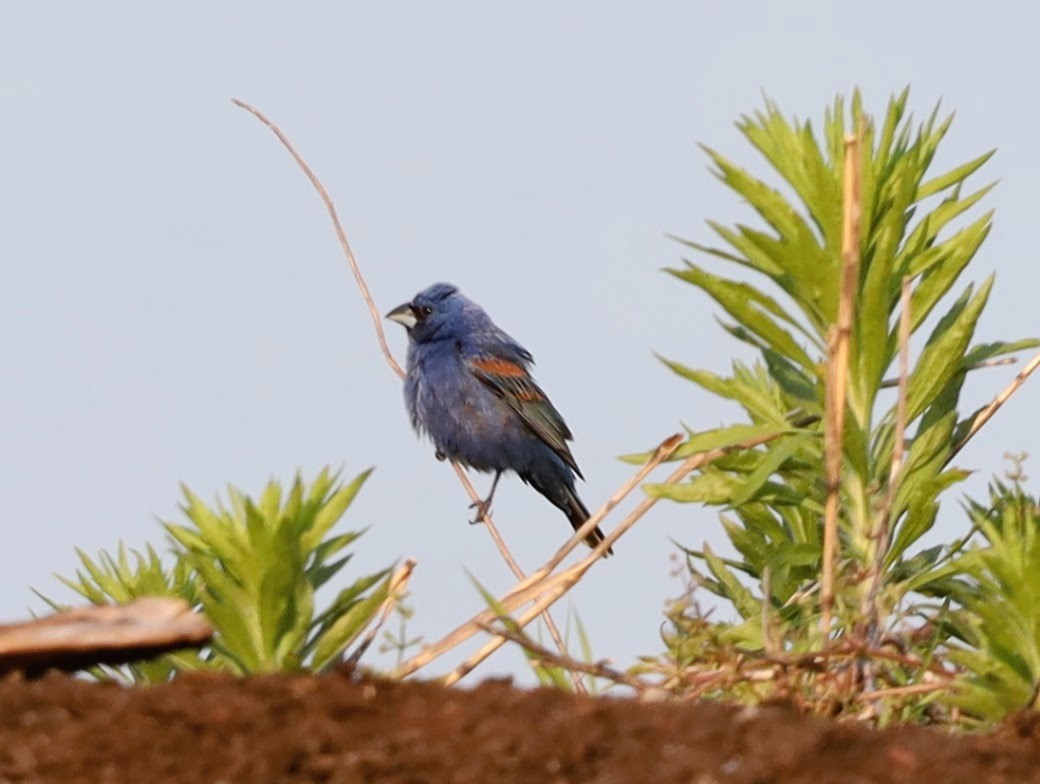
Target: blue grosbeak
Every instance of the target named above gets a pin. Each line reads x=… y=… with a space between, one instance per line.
x=468 y=388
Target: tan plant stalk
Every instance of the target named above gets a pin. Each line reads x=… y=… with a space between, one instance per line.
x=377 y=323
x=838 y=372
x=547 y=589
x=987 y=413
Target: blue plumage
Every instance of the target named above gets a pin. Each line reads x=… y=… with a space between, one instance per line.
x=470 y=390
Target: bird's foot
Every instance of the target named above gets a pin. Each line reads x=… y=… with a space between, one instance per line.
x=483 y=510
x=440 y=455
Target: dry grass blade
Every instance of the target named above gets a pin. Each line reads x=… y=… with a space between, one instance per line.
x=662 y=453
x=377 y=323
x=542 y=605
x=507 y=556
x=838 y=370
x=395 y=591
x=466 y=630
x=987 y=413
x=544 y=588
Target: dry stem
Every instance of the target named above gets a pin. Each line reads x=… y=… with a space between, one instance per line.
x=987 y=413
x=377 y=319
x=837 y=371
x=377 y=323
x=529 y=588
x=544 y=657
x=543 y=588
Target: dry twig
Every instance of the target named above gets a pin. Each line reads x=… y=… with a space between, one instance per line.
x=373 y=311
x=516 y=596
x=987 y=413
x=544 y=588
x=377 y=323
x=546 y=657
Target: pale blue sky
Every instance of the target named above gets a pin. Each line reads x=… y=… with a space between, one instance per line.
x=174 y=305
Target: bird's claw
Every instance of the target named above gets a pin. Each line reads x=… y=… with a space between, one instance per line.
x=483 y=510
x=440 y=455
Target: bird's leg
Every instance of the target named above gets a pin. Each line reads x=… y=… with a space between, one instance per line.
x=483 y=507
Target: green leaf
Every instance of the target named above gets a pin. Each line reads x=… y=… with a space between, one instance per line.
x=773 y=458
x=708 y=488
x=742 y=598
x=954 y=176
x=346 y=628
x=752 y=308
x=987 y=351
x=943 y=356
x=333 y=509
x=944 y=268
x=253 y=568
x=724 y=437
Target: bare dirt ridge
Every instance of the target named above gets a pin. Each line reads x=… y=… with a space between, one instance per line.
x=342 y=730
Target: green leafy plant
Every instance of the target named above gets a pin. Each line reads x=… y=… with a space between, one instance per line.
x=253 y=567
x=782 y=300
x=999 y=628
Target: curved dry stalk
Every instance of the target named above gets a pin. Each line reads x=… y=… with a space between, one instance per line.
x=987 y=413
x=377 y=323
x=507 y=556
x=485 y=518
x=545 y=589
x=377 y=319
x=531 y=586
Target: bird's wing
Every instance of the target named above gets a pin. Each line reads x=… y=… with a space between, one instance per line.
x=511 y=382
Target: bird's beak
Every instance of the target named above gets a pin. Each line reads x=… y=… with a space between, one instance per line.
x=403 y=315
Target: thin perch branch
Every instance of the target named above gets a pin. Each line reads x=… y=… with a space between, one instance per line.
x=377 y=323
x=987 y=413
x=507 y=556
x=544 y=589
x=377 y=319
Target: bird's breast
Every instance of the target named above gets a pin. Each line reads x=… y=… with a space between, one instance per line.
x=465 y=420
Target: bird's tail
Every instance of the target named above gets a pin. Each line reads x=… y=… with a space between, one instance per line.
x=578 y=514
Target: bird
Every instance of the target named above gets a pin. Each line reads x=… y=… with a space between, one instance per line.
x=469 y=389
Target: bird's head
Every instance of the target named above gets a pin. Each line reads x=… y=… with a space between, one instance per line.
x=435 y=313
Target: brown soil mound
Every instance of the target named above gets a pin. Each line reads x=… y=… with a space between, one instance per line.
x=334 y=729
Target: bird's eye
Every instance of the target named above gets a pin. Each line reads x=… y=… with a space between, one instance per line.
x=424 y=311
